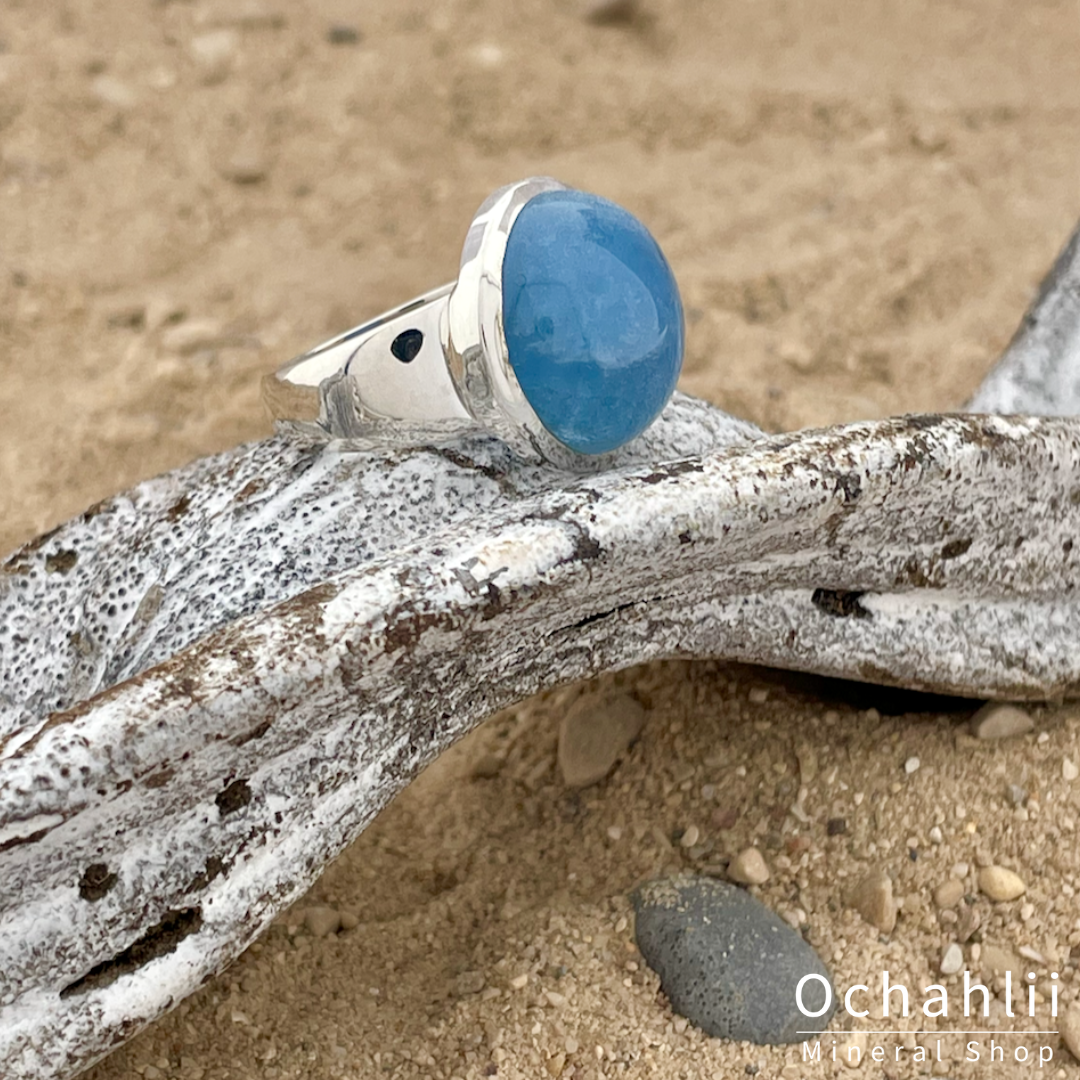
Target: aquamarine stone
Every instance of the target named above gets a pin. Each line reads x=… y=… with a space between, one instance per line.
x=592 y=318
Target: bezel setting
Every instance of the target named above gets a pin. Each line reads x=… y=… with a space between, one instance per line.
x=474 y=338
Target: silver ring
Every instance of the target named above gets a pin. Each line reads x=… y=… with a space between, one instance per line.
x=563 y=335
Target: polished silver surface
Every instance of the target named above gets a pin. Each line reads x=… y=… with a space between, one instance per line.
x=356 y=386
x=476 y=342
x=353 y=387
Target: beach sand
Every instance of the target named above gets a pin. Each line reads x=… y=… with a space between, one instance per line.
x=858 y=200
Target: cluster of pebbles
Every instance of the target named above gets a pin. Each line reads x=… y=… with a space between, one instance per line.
x=730 y=966
x=727 y=962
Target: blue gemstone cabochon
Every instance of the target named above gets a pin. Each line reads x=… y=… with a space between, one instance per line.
x=592 y=319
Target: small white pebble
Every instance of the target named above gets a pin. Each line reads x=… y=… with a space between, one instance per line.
x=1001 y=884
x=952 y=959
x=690 y=837
x=1029 y=953
x=1043 y=738
x=749 y=868
x=1069 y=770
x=911 y=765
x=936 y=836
x=795 y=918
x=614 y=832
x=519 y=982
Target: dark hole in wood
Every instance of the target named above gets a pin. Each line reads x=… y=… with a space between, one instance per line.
x=96 y=882
x=159 y=940
x=840 y=603
x=236 y=795
x=955 y=548
x=256 y=732
x=215 y=866
x=60 y=562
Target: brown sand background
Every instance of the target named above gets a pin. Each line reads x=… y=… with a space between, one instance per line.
x=858 y=199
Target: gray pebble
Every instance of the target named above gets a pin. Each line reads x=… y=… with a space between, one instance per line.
x=728 y=963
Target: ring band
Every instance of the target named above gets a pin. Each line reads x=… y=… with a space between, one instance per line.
x=563 y=335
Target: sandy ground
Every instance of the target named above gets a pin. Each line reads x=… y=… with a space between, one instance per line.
x=857 y=200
